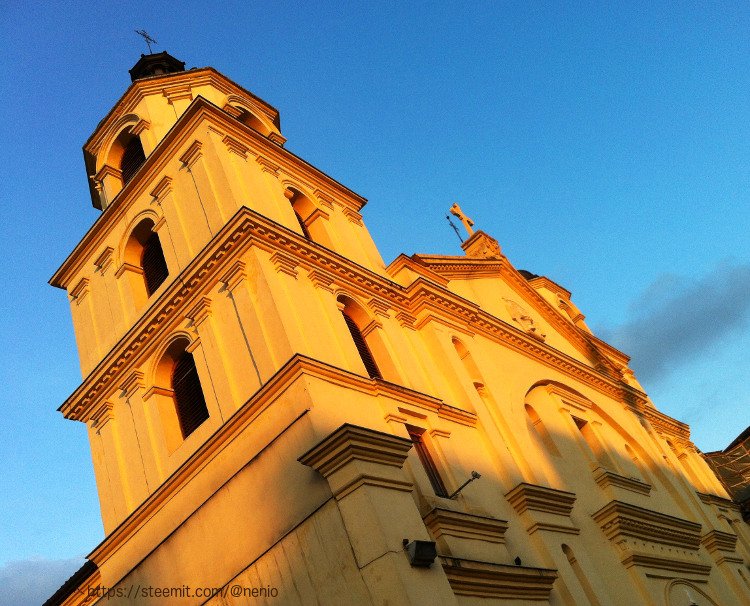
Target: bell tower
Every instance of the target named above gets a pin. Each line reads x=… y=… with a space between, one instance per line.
x=196 y=190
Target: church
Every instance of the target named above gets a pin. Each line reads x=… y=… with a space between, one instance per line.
x=277 y=416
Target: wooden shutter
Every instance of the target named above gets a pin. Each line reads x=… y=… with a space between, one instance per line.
x=364 y=351
x=188 y=395
x=153 y=264
x=132 y=159
x=429 y=465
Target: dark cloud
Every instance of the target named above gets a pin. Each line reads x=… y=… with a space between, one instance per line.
x=31 y=582
x=675 y=320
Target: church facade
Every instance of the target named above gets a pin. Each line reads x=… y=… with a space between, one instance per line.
x=277 y=416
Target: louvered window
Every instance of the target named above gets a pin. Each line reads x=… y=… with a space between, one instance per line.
x=153 y=264
x=429 y=465
x=132 y=159
x=303 y=226
x=188 y=395
x=364 y=351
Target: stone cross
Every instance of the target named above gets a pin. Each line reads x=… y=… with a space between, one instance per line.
x=468 y=223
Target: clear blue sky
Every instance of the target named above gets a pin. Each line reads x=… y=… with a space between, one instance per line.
x=608 y=149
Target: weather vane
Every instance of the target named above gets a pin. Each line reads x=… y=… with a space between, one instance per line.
x=149 y=40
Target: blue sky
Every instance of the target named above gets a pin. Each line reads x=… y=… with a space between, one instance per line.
x=607 y=148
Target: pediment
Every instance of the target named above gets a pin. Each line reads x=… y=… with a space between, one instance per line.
x=533 y=304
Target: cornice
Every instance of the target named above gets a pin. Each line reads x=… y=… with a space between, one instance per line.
x=525 y=497
x=404 y=262
x=247 y=228
x=606 y=478
x=498 y=581
x=716 y=540
x=717 y=501
x=551 y=285
x=352 y=442
x=618 y=519
x=446 y=522
x=181 y=132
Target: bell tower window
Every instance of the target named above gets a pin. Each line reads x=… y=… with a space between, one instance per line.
x=188 y=394
x=153 y=264
x=362 y=348
x=133 y=158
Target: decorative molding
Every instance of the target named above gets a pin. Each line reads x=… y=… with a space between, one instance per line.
x=353 y=216
x=162 y=189
x=439 y=433
x=233 y=111
x=482 y=245
x=200 y=311
x=324 y=198
x=107 y=171
x=457 y=415
x=607 y=479
x=445 y=522
x=717 y=501
x=79 y=291
x=406 y=320
x=192 y=154
x=159 y=224
x=177 y=92
x=647 y=538
x=236 y=147
x=277 y=138
x=285 y=263
x=393 y=418
x=157 y=391
x=132 y=383
x=102 y=415
x=268 y=166
x=498 y=581
x=352 y=442
x=248 y=228
x=716 y=540
x=618 y=519
x=321 y=279
x=140 y=126
x=104 y=260
x=379 y=307
x=318 y=213
x=235 y=276
x=128 y=267
x=530 y=497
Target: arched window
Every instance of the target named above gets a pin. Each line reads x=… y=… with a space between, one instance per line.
x=303 y=227
x=362 y=348
x=153 y=263
x=133 y=158
x=143 y=256
x=188 y=394
x=301 y=206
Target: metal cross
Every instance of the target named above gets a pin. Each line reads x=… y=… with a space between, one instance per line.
x=149 y=40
